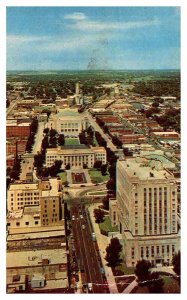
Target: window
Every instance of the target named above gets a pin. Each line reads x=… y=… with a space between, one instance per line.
x=132 y=252
x=36 y=222
x=142 y=252
x=26 y=223
x=17 y=223
x=152 y=251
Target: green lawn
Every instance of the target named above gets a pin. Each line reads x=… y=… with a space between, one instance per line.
x=170 y=285
x=97 y=177
x=63 y=176
x=126 y=270
x=106 y=225
x=96 y=143
x=73 y=141
x=97 y=193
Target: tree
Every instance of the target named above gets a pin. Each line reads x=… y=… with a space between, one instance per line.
x=61 y=140
x=53 y=141
x=112 y=170
x=116 y=141
x=103 y=169
x=52 y=132
x=45 y=142
x=66 y=183
x=106 y=203
x=142 y=270
x=111 y=184
x=176 y=262
x=113 y=252
x=155 y=284
x=97 y=164
x=46 y=130
x=155 y=104
x=55 y=169
x=99 y=215
x=68 y=167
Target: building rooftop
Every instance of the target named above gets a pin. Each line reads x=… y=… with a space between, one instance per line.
x=78 y=146
x=23 y=186
x=68 y=113
x=36 y=235
x=145 y=169
x=36 y=258
x=54 y=187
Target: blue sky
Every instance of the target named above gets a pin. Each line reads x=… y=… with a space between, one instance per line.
x=78 y=38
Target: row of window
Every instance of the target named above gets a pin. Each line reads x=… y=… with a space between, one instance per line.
x=26 y=194
x=26 y=223
x=155 y=250
x=64 y=125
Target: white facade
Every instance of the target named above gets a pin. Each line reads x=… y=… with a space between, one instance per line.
x=68 y=122
x=22 y=194
x=76 y=157
x=147 y=211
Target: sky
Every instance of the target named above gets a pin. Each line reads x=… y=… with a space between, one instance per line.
x=89 y=38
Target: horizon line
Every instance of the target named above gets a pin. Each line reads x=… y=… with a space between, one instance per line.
x=57 y=70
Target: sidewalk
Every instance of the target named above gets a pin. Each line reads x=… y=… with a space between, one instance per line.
x=103 y=242
x=130 y=287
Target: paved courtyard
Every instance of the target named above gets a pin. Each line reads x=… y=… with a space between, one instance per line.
x=80 y=175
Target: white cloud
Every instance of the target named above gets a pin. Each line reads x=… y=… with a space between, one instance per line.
x=17 y=40
x=89 y=25
x=56 y=44
x=76 y=16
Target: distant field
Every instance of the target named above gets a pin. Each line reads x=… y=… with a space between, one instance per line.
x=72 y=141
x=97 y=75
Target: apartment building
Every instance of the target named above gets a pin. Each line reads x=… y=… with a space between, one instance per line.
x=147 y=211
x=76 y=156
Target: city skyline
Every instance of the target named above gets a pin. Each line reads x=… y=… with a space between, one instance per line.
x=91 y=38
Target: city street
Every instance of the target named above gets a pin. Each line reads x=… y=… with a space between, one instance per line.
x=85 y=250
x=28 y=158
x=94 y=124
x=38 y=138
x=26 y=165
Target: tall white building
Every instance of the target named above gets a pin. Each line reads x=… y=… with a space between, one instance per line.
x=147 y=211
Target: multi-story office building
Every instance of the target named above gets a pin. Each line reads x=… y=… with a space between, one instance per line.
x=23 y=194
x=147 y=211
x=46 y=194
x=68 y=122
x=76 y=156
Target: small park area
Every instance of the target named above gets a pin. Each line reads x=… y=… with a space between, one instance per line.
x=97 y=177
x=63 y=176
x=106 y=226
x=72 y=141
